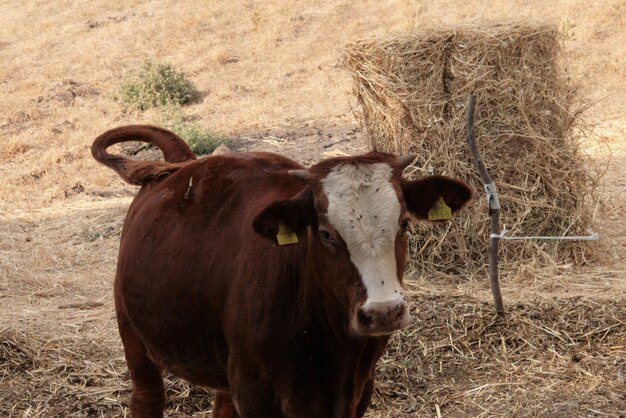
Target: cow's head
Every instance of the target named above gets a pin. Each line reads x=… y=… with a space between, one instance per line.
x=353 y=214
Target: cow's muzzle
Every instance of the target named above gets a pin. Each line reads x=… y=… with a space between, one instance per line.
x=375 y=318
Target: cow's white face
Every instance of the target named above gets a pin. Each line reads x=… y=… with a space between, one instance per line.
x=358 y=208
x=364 y=209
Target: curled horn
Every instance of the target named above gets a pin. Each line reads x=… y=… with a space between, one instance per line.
x=404 y=160
x=302 y=175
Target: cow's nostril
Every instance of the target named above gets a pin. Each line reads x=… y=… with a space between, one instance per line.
x=400 y=311
x=365 y=320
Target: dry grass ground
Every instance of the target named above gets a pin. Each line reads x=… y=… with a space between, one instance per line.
x=269 y=75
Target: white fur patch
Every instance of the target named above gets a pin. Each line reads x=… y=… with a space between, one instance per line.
x=364 y=209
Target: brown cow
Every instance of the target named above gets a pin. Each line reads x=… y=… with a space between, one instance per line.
x=274 y=285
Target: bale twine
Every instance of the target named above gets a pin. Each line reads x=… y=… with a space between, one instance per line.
x=412 y=90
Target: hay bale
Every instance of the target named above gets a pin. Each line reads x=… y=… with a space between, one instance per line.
x=412 y=90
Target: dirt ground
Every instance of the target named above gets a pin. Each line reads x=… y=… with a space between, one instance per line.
x=271 y=82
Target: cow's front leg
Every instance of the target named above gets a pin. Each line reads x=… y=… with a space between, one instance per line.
x=254 y=398
x=366 y=398
x=223 y=406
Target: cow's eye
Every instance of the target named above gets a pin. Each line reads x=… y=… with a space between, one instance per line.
x=404 y=226
x=326 y=237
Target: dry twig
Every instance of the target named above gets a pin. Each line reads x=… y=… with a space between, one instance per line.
x=494 y=205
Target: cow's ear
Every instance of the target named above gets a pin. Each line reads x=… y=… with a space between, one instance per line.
x=290 y=216
x=424 y=195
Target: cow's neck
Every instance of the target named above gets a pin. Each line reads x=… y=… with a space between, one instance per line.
x=323 y=311
x=324 y=329
x=337 y=364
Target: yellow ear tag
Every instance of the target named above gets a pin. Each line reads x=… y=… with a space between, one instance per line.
x=286 y=236
x=439 y=211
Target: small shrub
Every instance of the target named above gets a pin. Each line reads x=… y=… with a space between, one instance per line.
x=201 y=140
x=157 y=84
x=256 y=20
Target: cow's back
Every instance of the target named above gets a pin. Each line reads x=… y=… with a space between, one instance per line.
x=187 y=241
